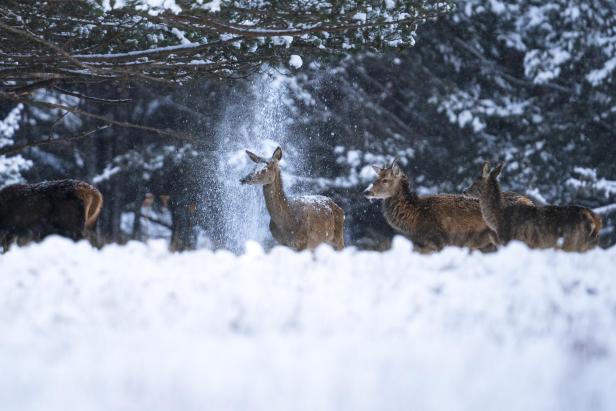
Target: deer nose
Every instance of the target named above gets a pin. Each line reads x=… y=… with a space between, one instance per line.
x=244 y=180
x=368 y=191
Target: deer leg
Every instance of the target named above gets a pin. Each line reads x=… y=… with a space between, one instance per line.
x=339 y=232
x=490 y=248
x=5 y=242
x=493 y=237
x=487 y=241
x=339 y=243
x=434 y=244
x=423 y=248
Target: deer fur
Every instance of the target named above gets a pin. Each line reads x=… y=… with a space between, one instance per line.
x=30 y=212
x=301 y=222
x=570 y=228
x=509 y=197
x=430 y=222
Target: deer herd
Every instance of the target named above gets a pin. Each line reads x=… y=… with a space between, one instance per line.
x=483 y=217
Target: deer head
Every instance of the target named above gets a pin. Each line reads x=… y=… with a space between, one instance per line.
x=265 y=170
x=478 y=187
x=387 y=182
x=475 y=189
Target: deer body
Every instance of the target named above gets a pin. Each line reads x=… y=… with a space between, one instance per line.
x=430 y=222
x=301 y=222
x=570 y=228
x=34 y=211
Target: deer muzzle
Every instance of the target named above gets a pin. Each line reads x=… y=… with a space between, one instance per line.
x=246 y=180
x=368 y=193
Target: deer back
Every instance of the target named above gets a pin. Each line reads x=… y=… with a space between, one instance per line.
x=571 y=228
x=445 y=219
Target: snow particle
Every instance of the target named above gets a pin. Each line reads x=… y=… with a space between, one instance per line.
x=295 y=61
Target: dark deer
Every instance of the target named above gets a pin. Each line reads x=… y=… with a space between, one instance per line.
x=301 y=222
x=430 y=222
x=570 y=228
x=30 y=212
x=509 y=197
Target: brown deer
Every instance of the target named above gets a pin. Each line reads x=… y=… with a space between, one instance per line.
x=430 y=222
x=30 y=212
x=570 y=228
x=509 y=197
x=301 y=222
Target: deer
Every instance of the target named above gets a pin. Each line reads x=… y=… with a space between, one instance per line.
x=569 y=228
x=509 y=197
x=301 y=222
x=30 y=212
x=430 y=222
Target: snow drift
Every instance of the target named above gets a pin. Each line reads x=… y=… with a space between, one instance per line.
x=135 y=327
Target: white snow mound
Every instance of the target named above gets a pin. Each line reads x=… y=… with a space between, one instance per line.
x=135 y=327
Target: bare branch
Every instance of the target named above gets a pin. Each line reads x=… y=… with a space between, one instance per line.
x=75 y=110
x=95 y=99
x=11 y=150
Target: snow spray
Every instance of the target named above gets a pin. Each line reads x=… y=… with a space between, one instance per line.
x=256 y=122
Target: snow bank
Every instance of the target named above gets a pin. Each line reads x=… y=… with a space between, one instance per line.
x=134 y=327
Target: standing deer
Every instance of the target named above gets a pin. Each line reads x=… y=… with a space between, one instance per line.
x=509 y=197
x=570 y=228
x=301 y=222
x=30 y=212
x=430 y=222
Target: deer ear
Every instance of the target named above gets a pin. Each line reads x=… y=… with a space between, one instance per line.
x=497 y=170
x=254 y=157
x=277 y=154
x=377 y=169
x=395 y=168
x=485 y=171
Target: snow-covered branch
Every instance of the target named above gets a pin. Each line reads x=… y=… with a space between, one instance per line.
x=128 y=40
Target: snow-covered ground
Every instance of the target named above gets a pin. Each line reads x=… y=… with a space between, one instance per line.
x=136 y=328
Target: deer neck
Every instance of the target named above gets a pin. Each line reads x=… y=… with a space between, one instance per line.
x=277 y=202
x=400 y=206
x=403 y=193
x=491 y=203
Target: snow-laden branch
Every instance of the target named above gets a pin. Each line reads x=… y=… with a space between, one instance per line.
x=127 y=42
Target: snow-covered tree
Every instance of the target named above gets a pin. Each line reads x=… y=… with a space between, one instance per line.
x=11 y=166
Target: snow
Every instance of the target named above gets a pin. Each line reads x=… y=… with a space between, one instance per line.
x=295 y=61
x=212 y=6
x=360 y=17
x=136 y=327
x=595 y=77
x=286 y=41
x=107 y=173
x=10 y=125
x=605 y=210
x=181 y=35
x=11 y=167
x=315 y=200
x=139 y=53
